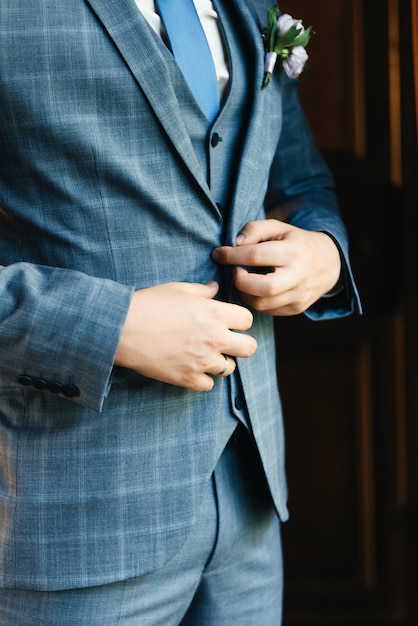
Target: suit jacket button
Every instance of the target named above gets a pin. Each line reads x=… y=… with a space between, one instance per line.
x=25 y=380
x=70 y=391
x=216 y=138
x=239 y=405
x=54 y=386
x=40 y=384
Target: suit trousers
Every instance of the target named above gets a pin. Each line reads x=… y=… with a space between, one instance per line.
x=229 y=571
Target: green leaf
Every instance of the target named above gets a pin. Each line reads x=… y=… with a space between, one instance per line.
x=288 y=38
x=272 y=16
x=303 y=39
x=292 y=39
x=272 y=21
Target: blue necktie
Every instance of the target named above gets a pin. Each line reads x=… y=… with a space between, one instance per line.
x=191 y=50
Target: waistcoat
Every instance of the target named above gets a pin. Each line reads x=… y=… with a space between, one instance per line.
x=218 y=146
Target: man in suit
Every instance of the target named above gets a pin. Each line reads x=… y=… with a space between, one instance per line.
x=141 y=439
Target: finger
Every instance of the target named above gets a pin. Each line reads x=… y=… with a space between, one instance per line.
x=267 y=295
x=264 y=254
x=239 y=345
x=261 y=285
x=205 y=382
x=225 y=368
x=234 y=316
x=202 y=383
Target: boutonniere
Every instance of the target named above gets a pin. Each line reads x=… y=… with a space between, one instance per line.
x=285 y=38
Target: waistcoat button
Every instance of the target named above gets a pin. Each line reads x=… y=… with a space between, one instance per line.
x=239 y=405
x=216 y=138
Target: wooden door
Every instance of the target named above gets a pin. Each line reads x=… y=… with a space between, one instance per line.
x=349 y=386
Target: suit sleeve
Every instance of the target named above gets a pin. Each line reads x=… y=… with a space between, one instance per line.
x=59 y=330
x=302 y=186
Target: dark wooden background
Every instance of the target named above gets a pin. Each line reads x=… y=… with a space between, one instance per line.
x=350 y=386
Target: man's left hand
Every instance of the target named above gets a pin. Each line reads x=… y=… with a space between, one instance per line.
x=281 y=269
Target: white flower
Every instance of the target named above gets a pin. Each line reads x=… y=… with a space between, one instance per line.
x=295 y=62
x=285 y=23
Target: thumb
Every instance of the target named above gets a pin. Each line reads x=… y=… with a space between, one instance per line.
x=261 y=230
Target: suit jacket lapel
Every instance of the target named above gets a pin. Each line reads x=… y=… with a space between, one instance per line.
x=151 y=65
x=257 y=143
x=149 y=61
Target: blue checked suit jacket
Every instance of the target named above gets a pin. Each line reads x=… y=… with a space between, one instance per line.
x=101 y=470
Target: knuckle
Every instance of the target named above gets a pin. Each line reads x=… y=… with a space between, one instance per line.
x=216 y=311
x=255 y=256
x=260 y=304
x=249 y=227
x=205 y=364
x=270 y=289
x=215 y=341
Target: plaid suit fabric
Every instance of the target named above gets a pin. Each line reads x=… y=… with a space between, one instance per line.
x=100 y=174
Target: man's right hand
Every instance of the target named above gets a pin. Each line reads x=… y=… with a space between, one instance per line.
x=179 y=334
